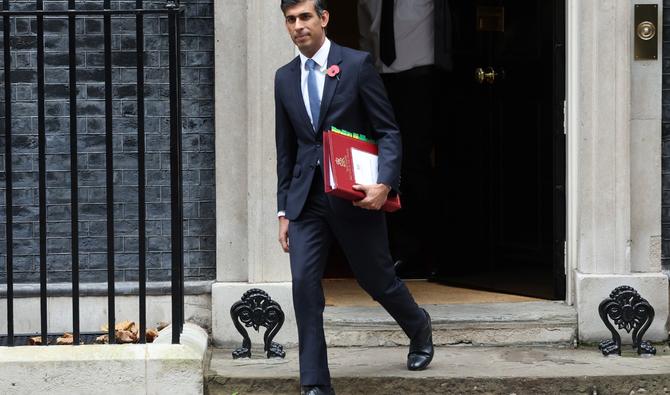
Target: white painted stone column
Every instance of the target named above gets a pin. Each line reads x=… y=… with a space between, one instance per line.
x=614 y=168
x=251 y=43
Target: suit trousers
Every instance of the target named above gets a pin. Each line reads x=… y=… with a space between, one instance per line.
x=364 y=240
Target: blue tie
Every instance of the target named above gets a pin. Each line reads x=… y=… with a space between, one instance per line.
x=313 y=93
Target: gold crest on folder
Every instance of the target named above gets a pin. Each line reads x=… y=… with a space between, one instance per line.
x=341 y=161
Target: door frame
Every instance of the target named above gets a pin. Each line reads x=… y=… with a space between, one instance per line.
x=570 y=122
x=560 y=169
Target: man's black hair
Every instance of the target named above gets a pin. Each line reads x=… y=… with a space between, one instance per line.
x=320 y=5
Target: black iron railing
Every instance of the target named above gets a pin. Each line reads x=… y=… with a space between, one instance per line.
x=172 y=11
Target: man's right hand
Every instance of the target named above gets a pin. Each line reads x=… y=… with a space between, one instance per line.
x=283 y=233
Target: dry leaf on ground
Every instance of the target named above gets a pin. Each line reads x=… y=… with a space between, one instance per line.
x=35 y=341
x=128 y=332
x=67 y=339
x=125 y=337
x=124 y=326
x=151 y=335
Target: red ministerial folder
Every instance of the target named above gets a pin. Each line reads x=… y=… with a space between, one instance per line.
x=346 y=159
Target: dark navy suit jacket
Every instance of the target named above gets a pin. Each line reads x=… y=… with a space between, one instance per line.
x=356 y=101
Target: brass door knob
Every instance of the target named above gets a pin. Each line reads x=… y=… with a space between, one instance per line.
x=485 y=76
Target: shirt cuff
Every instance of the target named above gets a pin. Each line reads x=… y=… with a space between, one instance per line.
x=281 y=214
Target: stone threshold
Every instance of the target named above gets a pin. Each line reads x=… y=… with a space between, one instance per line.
x=544 y=322
x=455 y=370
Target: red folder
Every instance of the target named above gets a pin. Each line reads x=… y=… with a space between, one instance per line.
x=337 y=155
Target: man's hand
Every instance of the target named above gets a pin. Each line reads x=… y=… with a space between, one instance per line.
x=283 y=233
x=375 y=196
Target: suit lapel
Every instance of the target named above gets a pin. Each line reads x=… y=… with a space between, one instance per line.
x=297 y=91
x=334 y=57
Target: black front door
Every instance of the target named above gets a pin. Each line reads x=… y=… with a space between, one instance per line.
x=501 y=158
x=500 y=148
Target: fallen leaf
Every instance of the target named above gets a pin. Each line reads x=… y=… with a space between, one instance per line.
x=152 y=334
x=67 y=339
x=120 y=326
x=125 y=337
x=35 y=341
x=124 y=326
x=101 y=339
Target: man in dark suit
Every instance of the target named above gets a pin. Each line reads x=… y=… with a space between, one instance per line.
x=308 y=101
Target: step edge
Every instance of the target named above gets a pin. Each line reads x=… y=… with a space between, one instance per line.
x=377 y=325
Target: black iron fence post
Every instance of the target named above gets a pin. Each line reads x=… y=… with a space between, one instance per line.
x=109 y=147
x=42 y=173
x=177 y=219
x=141 y=170
x=8 y=173
x=74 y=169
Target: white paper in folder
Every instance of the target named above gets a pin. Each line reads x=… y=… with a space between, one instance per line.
x=331 y=179
x=365 y=167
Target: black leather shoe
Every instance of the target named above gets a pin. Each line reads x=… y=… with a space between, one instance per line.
x=317 y=390
x=421 y=349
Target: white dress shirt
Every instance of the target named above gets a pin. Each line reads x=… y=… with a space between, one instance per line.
x=321 y=59
x=414 y=28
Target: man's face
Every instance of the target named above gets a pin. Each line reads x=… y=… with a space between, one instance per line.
x=306 y=27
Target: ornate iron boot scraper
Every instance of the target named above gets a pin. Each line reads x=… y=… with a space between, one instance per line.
x=257 y=309
x=630 y=312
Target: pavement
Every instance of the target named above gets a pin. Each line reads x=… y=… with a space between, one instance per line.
x=462 y=369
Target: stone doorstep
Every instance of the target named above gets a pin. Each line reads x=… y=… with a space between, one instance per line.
x=154 y=368
x=478 y=324
x=455 y=370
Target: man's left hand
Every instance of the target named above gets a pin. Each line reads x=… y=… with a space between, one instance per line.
x=375 y=196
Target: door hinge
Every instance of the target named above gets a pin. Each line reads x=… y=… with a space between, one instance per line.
x=565 y=257
x=565 y=110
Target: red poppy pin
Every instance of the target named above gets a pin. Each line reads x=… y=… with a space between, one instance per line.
x=334 y=71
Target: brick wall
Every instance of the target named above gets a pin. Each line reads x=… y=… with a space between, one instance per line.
x=665 y=217
x=198 y=145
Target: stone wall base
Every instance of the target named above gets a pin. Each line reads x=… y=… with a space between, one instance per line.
x=158 y=368
x=93 y=312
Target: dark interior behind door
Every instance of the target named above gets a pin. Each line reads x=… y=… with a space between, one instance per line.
x=501 y=157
